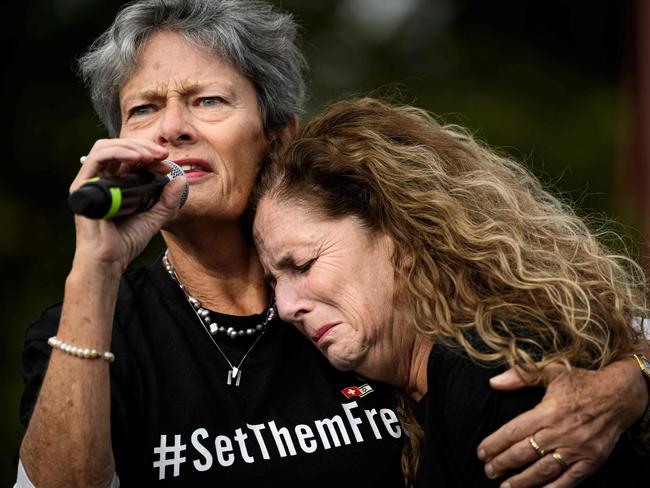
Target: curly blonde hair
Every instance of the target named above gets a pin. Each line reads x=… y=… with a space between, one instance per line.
x=485 y=258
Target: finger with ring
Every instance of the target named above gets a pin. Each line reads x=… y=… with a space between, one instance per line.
x=560 y=460
x=545 y=471
x=533 y=443
x=513 y=458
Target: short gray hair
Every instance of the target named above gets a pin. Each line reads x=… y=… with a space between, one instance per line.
x=251 y=35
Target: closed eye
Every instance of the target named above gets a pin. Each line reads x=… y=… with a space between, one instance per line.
x=305 y=267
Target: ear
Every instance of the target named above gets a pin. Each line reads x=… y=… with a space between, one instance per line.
x=405 y=261
x=408 y=261
x=289 y=131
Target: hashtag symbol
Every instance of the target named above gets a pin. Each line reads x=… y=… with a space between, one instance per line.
x=163 y=461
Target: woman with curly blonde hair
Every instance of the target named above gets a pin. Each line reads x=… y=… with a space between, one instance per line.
x=412 y=254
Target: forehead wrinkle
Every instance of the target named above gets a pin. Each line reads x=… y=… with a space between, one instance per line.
x=287 y=258
x=183 y=87
x=189 y=87
x=265 y=253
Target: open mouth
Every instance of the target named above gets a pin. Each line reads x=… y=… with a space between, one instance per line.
x=191 y=167
x=194 y=168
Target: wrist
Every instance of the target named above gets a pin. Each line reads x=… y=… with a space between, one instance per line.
x=643 y=364
x=88 y=267
x=89 y=304
x=640 y=430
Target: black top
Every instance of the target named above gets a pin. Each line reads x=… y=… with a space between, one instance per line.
x=293 y=421
x=460 y=409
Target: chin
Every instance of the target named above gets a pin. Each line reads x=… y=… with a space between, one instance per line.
x=341 y=365
x=342 y=362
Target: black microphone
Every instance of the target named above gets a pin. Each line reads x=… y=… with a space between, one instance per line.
x=107 y=198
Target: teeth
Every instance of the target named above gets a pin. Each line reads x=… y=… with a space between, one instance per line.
x=189 y=167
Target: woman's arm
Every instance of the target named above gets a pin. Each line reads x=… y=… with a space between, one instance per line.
x=68 y=439
x=584 y=414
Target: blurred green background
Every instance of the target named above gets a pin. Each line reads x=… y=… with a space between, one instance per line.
x=550 y=82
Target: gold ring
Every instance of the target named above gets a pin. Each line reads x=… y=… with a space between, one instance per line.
x=533 y=443
x=560 y=460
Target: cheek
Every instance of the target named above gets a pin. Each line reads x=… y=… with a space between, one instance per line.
x=250 y=141
x=370 y=315
x=348 y=349
x=381 y=295
x=244 y=165
x=365 y=304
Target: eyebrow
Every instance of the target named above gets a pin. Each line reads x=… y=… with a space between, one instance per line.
x=159 y=93
x=284 y=261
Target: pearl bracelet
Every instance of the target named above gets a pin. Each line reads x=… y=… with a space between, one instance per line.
x=80 y=352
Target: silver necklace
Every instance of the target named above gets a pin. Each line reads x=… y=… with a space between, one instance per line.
x=204 y=314
x=234 y=373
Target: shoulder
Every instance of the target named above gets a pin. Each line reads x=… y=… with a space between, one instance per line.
x=455 y=379
x=460 y=409
x=450 y=369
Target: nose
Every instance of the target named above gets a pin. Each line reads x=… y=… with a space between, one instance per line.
x=176 y=126
x=291 y=304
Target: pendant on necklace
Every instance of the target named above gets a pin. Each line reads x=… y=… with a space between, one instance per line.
x=234 y=374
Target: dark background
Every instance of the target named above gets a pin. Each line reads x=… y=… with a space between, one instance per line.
x=551 y=82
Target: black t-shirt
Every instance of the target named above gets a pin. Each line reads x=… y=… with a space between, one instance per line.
x=460 y=409
x=293 y=421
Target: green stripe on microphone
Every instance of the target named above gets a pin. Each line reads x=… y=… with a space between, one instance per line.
x=116 y=203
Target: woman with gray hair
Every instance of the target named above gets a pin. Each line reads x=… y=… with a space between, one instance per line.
x=207 y=387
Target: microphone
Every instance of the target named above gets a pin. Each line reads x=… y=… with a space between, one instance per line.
x=108 y=198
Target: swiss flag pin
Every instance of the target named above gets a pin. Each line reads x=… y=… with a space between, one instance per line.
x=351 y=391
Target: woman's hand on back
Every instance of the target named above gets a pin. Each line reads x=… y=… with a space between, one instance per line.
x=580 y=418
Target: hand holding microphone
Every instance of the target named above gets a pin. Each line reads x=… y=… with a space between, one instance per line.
x=107 y=198
x=110 y=235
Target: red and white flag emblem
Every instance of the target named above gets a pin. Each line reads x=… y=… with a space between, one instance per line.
x=357 y=391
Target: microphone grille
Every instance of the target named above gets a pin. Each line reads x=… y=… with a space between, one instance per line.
x=177 y=171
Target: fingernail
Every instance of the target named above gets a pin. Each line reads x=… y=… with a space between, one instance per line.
x=489 y=471
x=498 y=379
x=505 y=485
x=481 y=454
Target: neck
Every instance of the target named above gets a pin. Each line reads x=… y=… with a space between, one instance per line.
x=218 y=265
x=400 y=361
x=416 y=377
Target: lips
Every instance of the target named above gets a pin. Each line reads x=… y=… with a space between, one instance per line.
x=194 y=168
x=322 y=332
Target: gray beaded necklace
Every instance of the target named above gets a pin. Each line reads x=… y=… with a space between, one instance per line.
x=212 y=328
x=204 y=314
